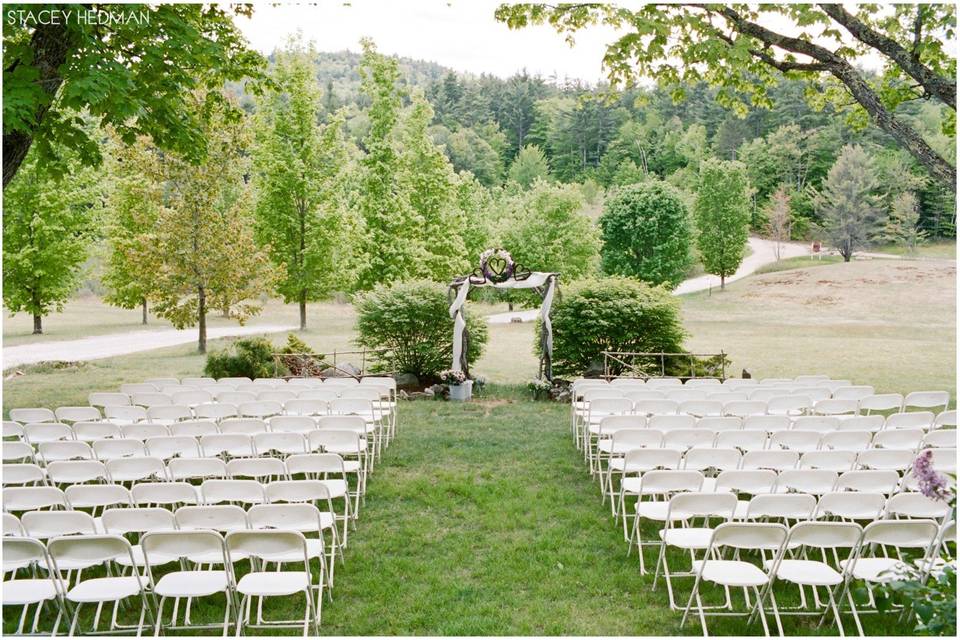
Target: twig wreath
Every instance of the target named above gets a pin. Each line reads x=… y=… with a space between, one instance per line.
x=496 y=267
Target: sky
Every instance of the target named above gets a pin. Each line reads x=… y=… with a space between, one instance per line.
x=460 y=34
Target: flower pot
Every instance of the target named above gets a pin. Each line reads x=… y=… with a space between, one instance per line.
x=461 y=392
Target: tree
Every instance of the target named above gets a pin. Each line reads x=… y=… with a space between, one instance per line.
x=646 y=234
x=431 y=184
x=393 y=247
x=779 y=218
x=729 y=47
x=135 y=75
x=901 y=227
x=47 y=224
x=132 y=208
x=301 y=170
x=529 y=165
x=847 y=201
x=722 y=214
x=468 y=151
x=203 y=238
x=544 y=229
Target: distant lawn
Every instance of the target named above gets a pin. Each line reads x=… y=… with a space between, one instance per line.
x=939 y=249
x=799 y=262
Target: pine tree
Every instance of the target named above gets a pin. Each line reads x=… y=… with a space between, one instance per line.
x=901 y=227
x=848 y=203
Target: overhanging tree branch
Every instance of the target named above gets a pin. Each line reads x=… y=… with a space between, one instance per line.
x=942 y=87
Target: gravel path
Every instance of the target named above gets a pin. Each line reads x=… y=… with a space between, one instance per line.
x=763 y=253
x=118 y=344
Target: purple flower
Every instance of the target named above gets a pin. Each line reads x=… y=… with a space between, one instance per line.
x=931 y=484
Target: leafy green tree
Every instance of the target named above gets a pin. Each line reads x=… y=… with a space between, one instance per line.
x=136 y=76
x=394 y=247
x=132 y=208
x=646 y=234
x=430 y=183
x=301 y=171
x=203 y=238
x=730 y=47
x=545 y=229
x=779 y=218
x=901 y=227
x=468 y=151
x=529 y=165
x=848 y=201
x=48 y=221
x=722 y=215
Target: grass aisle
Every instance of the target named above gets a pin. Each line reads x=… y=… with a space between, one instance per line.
x=481 y=520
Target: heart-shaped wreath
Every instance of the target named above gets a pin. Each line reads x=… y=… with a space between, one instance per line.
x=497 y=265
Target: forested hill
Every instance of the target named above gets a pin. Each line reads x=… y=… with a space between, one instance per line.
x=589 y=134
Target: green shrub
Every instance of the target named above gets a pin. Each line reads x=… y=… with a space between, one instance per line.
x=409 y=328
x=250 y=357
x=611 y=314
x=646 y=234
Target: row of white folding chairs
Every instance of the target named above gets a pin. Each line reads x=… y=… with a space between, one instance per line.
x=155 y=384
x=822 y=380
x=163 y=546
x=640 y=402
x=36 y=434
x=681 y=393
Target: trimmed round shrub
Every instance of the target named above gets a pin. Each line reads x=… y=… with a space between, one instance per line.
x=250 y=357
x=612 y=314
x=646 y=234
x=408 y=327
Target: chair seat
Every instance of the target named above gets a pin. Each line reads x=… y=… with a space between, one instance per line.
x=807 y=572
x=273 y=583
x=731 y=573
x=28 y=591
x=876 y=569
x=687 y=538
x=191 y=584
x=337 y=488
x=104 y=589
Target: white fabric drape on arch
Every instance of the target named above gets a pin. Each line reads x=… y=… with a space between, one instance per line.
x=533 y=281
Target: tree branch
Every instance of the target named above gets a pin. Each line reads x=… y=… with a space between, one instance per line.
x=943 y=88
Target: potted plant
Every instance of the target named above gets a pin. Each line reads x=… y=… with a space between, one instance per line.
x=456 y=381
x=540 y=388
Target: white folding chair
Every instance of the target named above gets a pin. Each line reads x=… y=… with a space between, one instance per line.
x=268 y=546
x=38 y=590
x=103 y=400
x=168 y=495
x=836 y=407
x=99 y=549
x=243 y=492
x=306 y=407
x=263 y=470
x=789 y=405
x=193 y=428
x=899 y=439
x=911 y=420
x=819 y=423
x=125 y=414
x=653 y=484
x=886 y=459
x=247 y=426
x=938 y=438
x=122 y=470
x=113 y=448
x=846 y=440
x=872 y=423
x=192 y=399
x=138 y=521
x=282 y=444
x=767 y=424
x=881 y=402
x=20 y=499
x=292 y=424
x=259 y=409
x=236 y=398
x=752 y=440
x=946 y=419
x=215 y=411
x=795 y=440
x=32 y=415
x=883 y=481
x=37 y=432
x=90 y=431
x=98 y=497
x=65 y=472
x=148 y=400
x=785 y=508
x=860 y=506
x=144 y=430
x=740 y=538
x=832 y=460
x=168 y=447
x=701 y=408
x=915 y=505
x=229 y=445
x=748 y=482
x=854 y=392
x=656 y=407
x=815 y=482
x=636 y=462
x=138 y=387
x=182 y=469
x=684 y=439
x=772 y=460
x=23 y=474
x=935 y=400
x=306 y=519
x=330 y=469
x=18 y=451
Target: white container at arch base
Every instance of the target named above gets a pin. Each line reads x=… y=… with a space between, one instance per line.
x=461 y=392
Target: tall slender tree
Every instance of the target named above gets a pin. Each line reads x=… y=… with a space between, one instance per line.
x=722 y=215
x=301 y=170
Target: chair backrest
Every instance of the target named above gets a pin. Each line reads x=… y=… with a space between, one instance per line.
x=192 y=398
x=16 y=499
x=168 y=447
x=872 y=423
x=909 y=420
x=91 y=550
x=305 y=407
x=193 y=428
x=106 y=399
x=846 y=440
x=136 y=469
x=98 y=495
x=310 y=491
x=63 y=450
x=292 y=424
x=670 y=481
x=704 y=458
x=834 y=460
x=682 y=395
x=247 y=426
x=772 y=460
x=181 y=544
x=792 y=506
x=196 y=468
x=946 y=419
x=856 y=392
x=822 y=424
x=717 y=423
x=664 y=382
x=342 y=423
x=639 y=394
x=37 y=432
x=886 y=459
x=667 y=423
x=812 y=481
x=76 y=471
x=752 y=481
x=915 y=505
x=90 y=431
x=922 y=400
x=11 y=525
x=24 y=552
x=243 y=491
x=937 y=438
x=236 y=398
x=215 y=410
x=164 y=493
x=300 y=517
x=625 y=439
x=113 y=448
x=137 y=520
x=768 y=424
x=743 y=440
x=612 y=424
x=12 y=429
x=33 y=414
x=276 y=395
x=77 y=414
x=148 y=400
x=650 y=458
x=217 y=517
x=233 y=444
x=23 y=473
x=49 y=524
x=693 y=504
x=269 y=545
x=131 y=388
x=795 y=440
x=259 y=409
x=850 y=505
x=825 y=535
x=656 y=407
x=902 y=534
x=688 y=438
x=17 y=450
x=256 y=468
x=701 y=408
x=762 y=536
x=788 y=404
x=314 y=463
x=881 y=402
x=899 y=438
x=285 y=443
x=125 y=414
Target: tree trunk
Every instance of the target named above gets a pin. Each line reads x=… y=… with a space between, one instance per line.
x=303 y=309
x=510 y=306
x=202 y=320
x=143 y=304
x=723 y=281
x=50 y=46
x=37 y=324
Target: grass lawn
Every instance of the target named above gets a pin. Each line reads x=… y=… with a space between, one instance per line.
x=937 y=249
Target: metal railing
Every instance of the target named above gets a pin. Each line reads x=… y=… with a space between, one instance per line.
x=639 y=364
x=313 y=365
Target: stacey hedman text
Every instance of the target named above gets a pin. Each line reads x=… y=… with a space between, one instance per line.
x=53 y=16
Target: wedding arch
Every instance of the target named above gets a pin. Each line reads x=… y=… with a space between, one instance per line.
x=497 y=269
